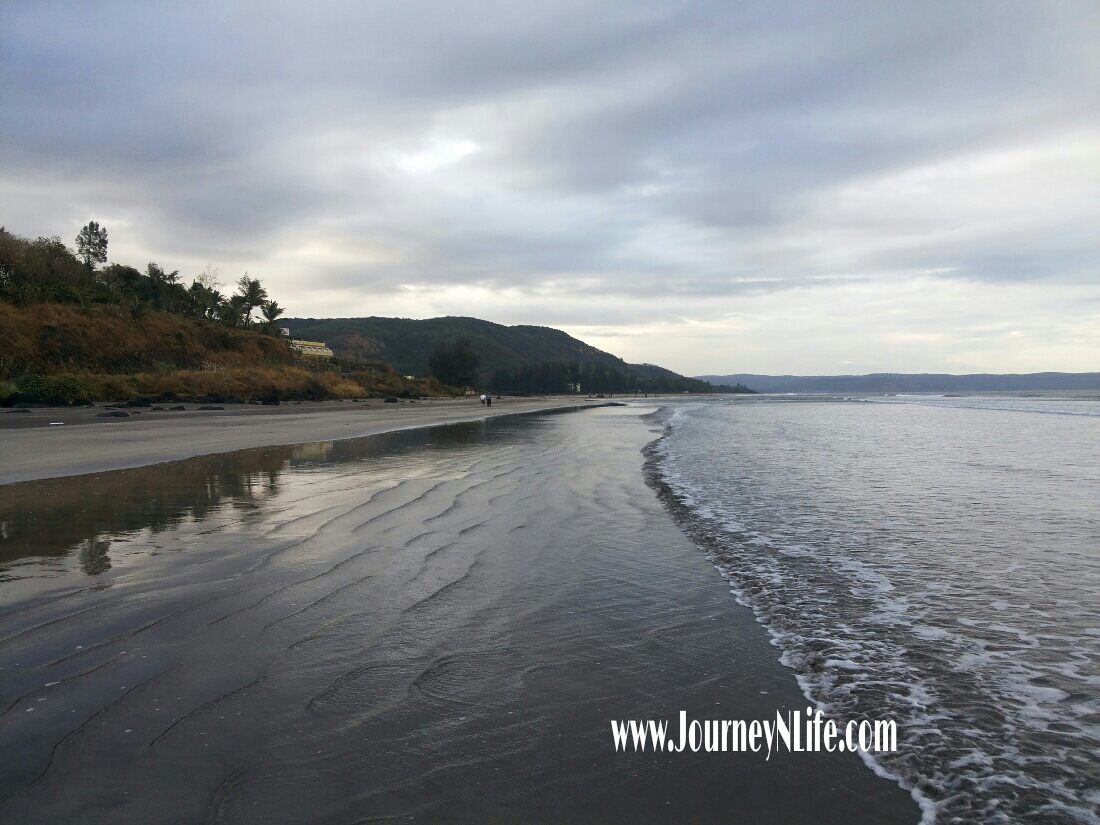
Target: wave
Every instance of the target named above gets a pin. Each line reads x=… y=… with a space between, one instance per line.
x=858 y=652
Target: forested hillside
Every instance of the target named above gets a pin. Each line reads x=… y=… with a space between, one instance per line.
x=407 y=344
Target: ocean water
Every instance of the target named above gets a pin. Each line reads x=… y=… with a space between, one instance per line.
x=931 y=559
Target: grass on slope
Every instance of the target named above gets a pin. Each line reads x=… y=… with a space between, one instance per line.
x=62 y=353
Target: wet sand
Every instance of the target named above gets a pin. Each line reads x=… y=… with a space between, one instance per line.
x=432 y=625
x=49 y=443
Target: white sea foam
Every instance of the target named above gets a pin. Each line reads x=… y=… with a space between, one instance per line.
x=889 y=560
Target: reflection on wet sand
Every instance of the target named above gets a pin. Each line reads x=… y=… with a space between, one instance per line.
x=51 y=518
x=56 y=517
x=94 y=558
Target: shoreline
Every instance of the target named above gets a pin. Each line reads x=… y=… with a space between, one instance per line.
x=472 y=604
x=34 y=448
x=682 y=517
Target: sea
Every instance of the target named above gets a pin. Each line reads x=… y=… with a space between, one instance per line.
x=931 y=559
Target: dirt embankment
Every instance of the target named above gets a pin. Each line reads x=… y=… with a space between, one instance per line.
x=61 y=354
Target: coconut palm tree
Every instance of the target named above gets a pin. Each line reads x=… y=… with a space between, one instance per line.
x=252 y=295
x=272 y=311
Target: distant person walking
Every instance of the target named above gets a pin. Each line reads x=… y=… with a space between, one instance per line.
x=489 y=400
x=483 y=399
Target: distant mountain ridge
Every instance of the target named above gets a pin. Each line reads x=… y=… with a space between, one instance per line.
x=406 y=345
x=913 y=382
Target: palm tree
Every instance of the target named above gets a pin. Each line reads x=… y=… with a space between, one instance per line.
x=272 y=311
x=252 y=295
x=161 y=284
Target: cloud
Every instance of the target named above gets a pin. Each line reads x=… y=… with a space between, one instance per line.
x=572 y=162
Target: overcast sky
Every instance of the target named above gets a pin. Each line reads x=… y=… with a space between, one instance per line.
x=716 y=187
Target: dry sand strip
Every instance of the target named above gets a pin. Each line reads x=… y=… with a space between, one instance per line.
x=49 y=443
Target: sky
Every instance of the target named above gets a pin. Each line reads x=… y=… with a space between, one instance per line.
x=715 y=187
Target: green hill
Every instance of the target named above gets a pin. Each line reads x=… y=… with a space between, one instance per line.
x=516 y=358
x=406 y=344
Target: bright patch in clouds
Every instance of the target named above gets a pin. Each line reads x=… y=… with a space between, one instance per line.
x=441 y=153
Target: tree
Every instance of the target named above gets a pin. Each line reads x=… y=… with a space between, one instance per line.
x=91 y=244
x=272 y=311
x=233 y=311
x=162 y=285
x=209 y=279
x=155 y=272
x=203 y=301
x=456 y=367
x=252 y=295
x=204 y=296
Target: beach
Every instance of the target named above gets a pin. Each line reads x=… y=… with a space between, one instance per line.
x=433 y=624
x=53 y=442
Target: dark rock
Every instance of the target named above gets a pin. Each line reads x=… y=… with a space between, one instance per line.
x=390 y=399
x=22 y=399
x=18 y=410
x=207 y=407
x=113 y=414
x=270 y=400
x=140 y=402
x=179 y=408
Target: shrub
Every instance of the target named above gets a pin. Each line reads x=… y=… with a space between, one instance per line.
x=33 y=385
x=68 y=387
x=54 y=389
